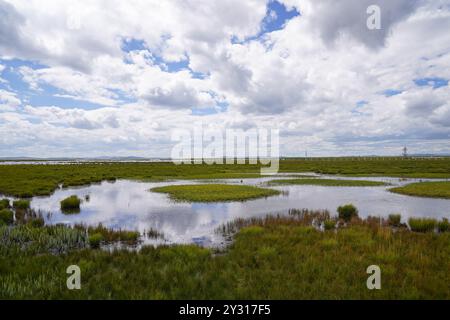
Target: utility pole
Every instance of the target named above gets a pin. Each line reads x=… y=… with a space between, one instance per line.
x=405 y=152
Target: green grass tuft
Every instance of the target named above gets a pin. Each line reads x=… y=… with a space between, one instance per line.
x=422 y=224
x=347 y=212
x=438 y=189
x=95 y=240
x=71 y=205
x=444 y=225
x=215 y=192
x=6 y=216
x=21 y=204
x=4 y=204
x=30 y=240
x=111 y=235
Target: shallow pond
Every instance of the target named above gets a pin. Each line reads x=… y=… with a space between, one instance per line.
x=130 y=205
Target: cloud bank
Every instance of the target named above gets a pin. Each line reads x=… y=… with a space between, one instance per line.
x=94 y=78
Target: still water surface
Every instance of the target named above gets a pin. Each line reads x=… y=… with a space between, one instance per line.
x=130 y=205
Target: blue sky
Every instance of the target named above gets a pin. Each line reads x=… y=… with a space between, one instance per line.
x=434 y=82
x=276 y=17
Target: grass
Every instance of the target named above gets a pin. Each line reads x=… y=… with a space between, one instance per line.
x=95 y=240
x=30 y=217
x=30 y=240
x=71 y=205
x=305 y=216
x=444 y=225
x=395 y=220
x=109 y=235
x=270 y=258
x=328 y=182
x=34 y=238
x=422 y=224
x=372 y=166
x=6 y=216
x=277 y=257
x=21 y=204
x=4 y=204
x=32 y=180
x=214 y=192
x=439 y=189
x=329 y=224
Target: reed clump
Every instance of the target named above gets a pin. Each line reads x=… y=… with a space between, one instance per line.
x=95 y=240
x=295 y=217
x=49 y=239
x=422 y=224
x=31 y=217
x=110 y=235
x=395 y=220
x=444 y=225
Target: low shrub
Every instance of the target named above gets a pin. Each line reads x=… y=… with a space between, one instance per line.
x=6 y=216
x=347 y=212
x=71 y=204
x=21 y=204
x=422 y=224
x=4 y=204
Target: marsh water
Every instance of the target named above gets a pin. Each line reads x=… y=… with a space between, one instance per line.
x=130 y=205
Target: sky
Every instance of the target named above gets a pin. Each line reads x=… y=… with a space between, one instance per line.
x=116 y=78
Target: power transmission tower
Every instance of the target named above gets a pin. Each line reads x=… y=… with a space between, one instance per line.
x=405 y=152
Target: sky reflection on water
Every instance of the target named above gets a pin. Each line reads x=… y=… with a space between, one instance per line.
x=130 y=205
